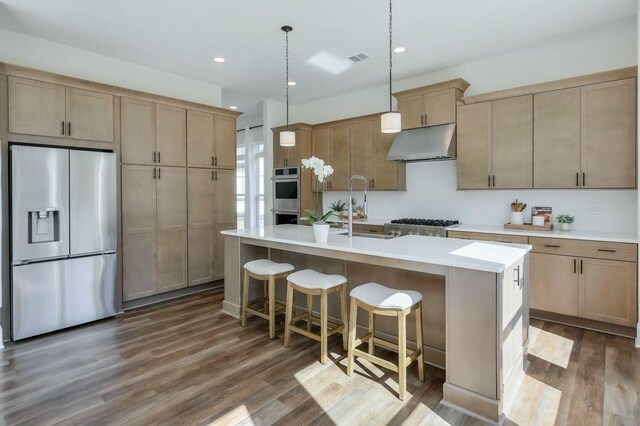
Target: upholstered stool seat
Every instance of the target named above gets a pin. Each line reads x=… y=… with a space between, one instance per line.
x=313 y=283
x=378 y=299
x=268 y=272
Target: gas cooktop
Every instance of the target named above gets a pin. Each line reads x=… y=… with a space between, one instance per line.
x=412 y=226
x=425 y=222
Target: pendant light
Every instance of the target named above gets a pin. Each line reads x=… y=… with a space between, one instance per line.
x=287 y=137
x=391 y=122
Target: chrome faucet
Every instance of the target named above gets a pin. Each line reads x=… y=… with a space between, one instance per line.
x=350 y=213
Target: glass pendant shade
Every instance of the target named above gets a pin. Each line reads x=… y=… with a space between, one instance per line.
x=287 y=138
x=391 y=122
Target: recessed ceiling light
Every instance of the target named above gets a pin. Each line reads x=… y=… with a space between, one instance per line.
x=291 y=83
x=218 y=59
x=233 y=107
x=399 y=49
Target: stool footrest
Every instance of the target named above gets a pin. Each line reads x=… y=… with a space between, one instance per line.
x=304 y=332
x=376 y=360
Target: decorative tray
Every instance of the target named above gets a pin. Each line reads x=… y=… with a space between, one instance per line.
x=529 y=227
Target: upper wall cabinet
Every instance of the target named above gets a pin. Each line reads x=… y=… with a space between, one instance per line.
x=152 y=133
x=430 y=105
x=211 y=140
x=495 y=144
x=44 y=109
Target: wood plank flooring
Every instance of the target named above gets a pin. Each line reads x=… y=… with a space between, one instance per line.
x=185 y=362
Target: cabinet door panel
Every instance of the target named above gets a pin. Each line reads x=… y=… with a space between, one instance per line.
x=224 y=142
x=608 y=291
x=138 y=131
x=385 y=171
x=279 y=152
x=201 y=226
x=609 y=134
x=139 y=259
x=224 y=213
x=475 y=136
x=412 y=109
x=554 y=283
x=172 y=228
x=171 y=135
x=199 y=139
x=556 y=144
x=321 y=148
x=440 y=107
x=36 y=108
x=89 y=115
x=361 y=146
x=512 y=152
x=339 y=181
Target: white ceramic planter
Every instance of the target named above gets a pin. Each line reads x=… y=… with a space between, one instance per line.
x=517 y=218
x=565 y=226
x=321 y=232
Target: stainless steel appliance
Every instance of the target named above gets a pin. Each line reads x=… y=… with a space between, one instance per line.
x=286 y=189
x=426 y=227
x=433 y=143
x=63 y=238
x=286 y=218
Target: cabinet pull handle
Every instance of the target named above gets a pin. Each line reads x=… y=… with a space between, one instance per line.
x=489 y=181
x=155 y=156
x=607 y=250
x=158 y=156
x=212 y=175
x=575 y=266
x=215 y=174
x=505 y=241
x=212 y=161
x=215 y=160
x=374 y=183
x=581 y=265
x=426 y=121
x=494 y=181
x=155 y=175
x=577 y=179
x=69 y=128
x=552 y=245
x=62 y=131
x=159 y=173
x=584 y=179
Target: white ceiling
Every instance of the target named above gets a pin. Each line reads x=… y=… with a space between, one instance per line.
x=182 y=37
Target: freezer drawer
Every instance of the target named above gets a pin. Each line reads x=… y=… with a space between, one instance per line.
x=92 y=201
x=40 y=203
x=52 y=295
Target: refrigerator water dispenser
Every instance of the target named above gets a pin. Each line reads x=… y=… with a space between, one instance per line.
x=44 y=226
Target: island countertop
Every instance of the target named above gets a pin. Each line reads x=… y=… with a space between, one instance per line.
x=449 y=252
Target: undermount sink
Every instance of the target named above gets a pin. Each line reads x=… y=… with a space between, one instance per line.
x=366 y=235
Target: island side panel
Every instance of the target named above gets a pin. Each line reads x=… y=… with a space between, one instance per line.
x=472 y=349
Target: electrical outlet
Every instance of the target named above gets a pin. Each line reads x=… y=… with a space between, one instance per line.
x=594 y=208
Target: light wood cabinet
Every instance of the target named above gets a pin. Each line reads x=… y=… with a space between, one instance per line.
x=482 y=236
x=171 y=214
x=556 y=143
x=154 y=223
x=224 y=142
x=36 y=107
x=608 y=155
x=387 y=175
x=139 y=233
x=291 y=156
x=554 y=283
x=89 y=115
x=44 y=109
x=431 y=105
x=138 y=131
x=362 y=150
x=340 y=159
x=475 y=139
x=171 y=135
x=608 y=291
x=212 y=209
x=200 y=137
x=321 y=149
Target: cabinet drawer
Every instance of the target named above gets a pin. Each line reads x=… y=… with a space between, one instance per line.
x=582 y=248
x=369 y=229
x=499 y=238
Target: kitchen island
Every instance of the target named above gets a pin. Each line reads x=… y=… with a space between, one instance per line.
x=475 y=299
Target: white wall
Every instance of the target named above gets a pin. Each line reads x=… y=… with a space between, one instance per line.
x=20 y=49
x=431 y=187
x=274 y=114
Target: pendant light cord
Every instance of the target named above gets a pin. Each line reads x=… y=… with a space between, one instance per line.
x=390 y=55
x=286 y=83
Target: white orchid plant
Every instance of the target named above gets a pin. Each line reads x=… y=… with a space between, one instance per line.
x=321 y=171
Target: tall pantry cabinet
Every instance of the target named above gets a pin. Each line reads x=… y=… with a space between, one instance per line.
x=178 y=190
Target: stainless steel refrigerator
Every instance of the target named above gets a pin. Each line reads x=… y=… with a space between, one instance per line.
x=63 y=238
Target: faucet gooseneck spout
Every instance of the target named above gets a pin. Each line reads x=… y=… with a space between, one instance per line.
x=350 y=213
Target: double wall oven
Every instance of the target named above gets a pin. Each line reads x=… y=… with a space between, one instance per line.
x=286 y=193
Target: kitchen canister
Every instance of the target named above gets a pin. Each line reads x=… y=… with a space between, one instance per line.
x=517 y=218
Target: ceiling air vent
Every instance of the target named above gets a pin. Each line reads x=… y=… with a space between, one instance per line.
x=356 y=58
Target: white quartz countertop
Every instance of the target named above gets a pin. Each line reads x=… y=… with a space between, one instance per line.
x=475 y=255
x=367 y=221
x=615 y=237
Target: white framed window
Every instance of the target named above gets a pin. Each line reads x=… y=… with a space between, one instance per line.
x=250 y=177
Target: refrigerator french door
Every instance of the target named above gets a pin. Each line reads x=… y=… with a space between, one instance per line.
x=63 y=226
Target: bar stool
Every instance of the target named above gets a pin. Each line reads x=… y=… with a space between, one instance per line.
x=313 y=283
x=377 y=299
x=268 y=272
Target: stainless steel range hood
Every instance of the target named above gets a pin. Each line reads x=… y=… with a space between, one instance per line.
x=424 y=144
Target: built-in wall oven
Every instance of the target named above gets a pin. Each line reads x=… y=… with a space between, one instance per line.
x=286 y=195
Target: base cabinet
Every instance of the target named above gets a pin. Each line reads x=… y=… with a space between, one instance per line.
x=554 y=283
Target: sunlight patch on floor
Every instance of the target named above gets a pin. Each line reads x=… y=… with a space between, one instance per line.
x=550 y=347
x=235 y=416
x=540 y=408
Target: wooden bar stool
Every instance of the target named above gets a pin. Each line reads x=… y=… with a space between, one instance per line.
x=268 y=272
x=313 y=283
x=380 y=300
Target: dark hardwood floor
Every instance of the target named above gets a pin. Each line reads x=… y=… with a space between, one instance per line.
x=185 y=362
